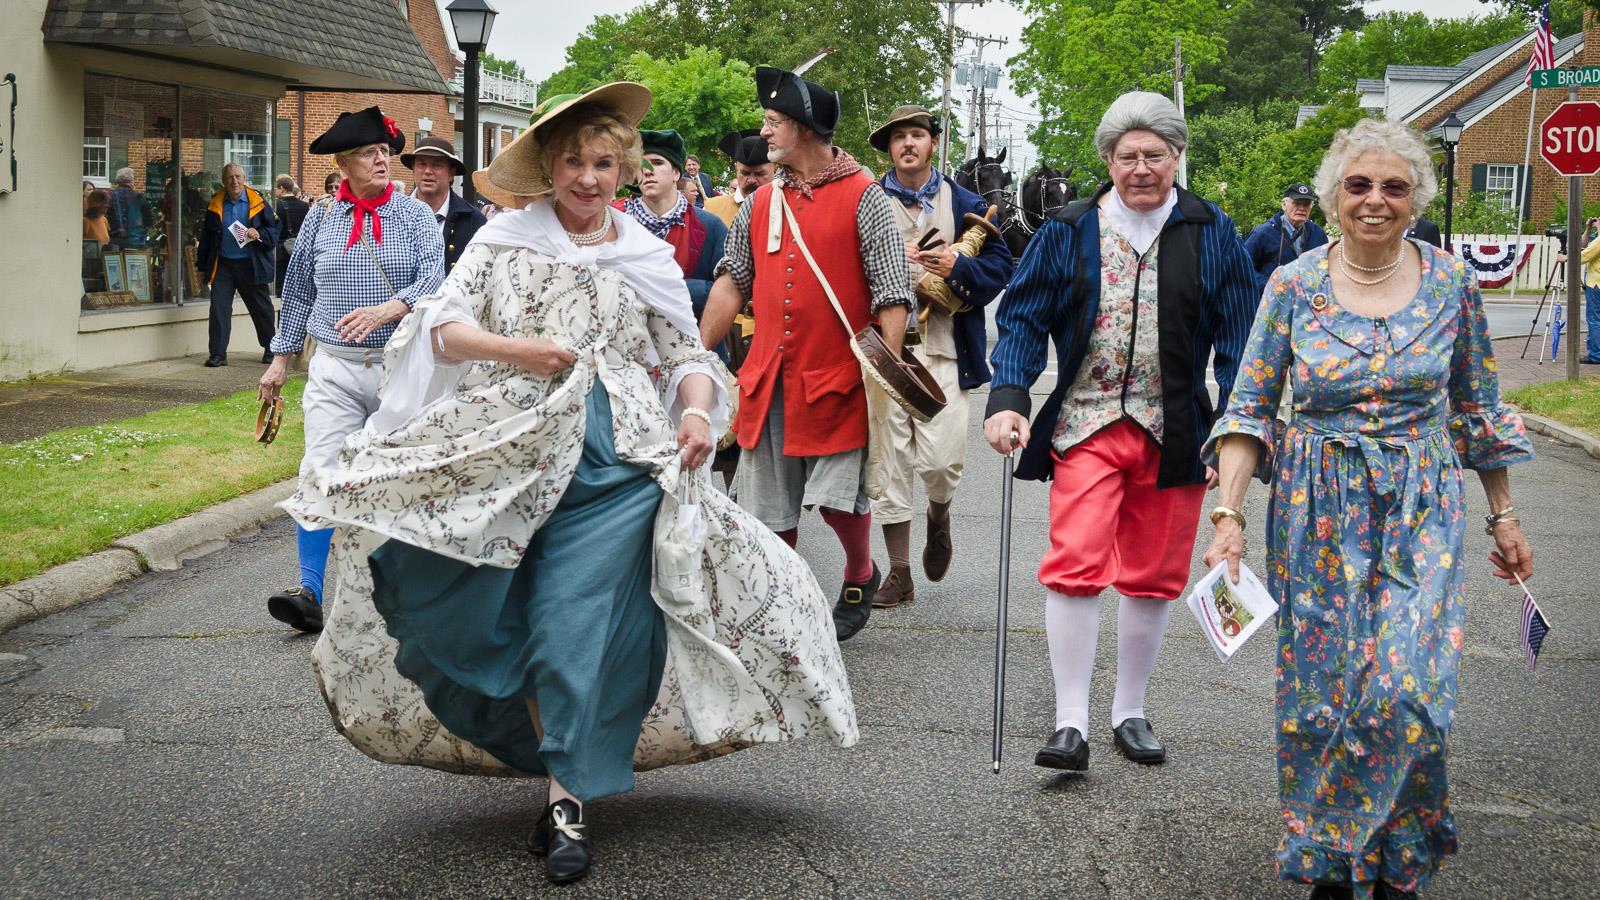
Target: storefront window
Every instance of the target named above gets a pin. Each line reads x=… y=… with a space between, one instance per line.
x=218 y=129
x=127 y=129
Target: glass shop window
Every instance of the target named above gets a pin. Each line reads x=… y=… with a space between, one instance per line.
x=130 y=221
x=217 y=129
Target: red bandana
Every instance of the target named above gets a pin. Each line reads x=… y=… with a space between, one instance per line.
x=362 y=207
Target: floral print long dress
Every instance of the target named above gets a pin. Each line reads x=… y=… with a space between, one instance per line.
x=1364 y=553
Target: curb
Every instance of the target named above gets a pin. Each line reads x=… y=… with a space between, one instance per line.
x=161 y=548
x=1565 y=434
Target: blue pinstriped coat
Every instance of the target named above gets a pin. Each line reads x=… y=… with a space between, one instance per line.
x=1206 y=300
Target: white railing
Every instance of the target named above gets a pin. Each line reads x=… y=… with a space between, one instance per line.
x=1531 y=280
x=494 y=87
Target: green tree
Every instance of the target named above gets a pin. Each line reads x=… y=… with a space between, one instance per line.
x=1325 y=20
x=885 y=51
x=1566 y=16
x=1409 y=39
x=1212 y=134
x=1079 y=55
x=1267 y=47
x=1249 y=182
x=698 y=94
x=510 y=68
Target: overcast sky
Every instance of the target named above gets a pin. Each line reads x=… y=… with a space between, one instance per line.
x=536 y=33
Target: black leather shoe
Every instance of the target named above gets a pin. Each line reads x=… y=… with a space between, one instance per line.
x=1387 y=891
x=1137 y=741
x=1332 y=892
x=296 y=607
x=267 y=357
x=1066 y=749
x=855 y=605
x=563 y=840
x=213 y=361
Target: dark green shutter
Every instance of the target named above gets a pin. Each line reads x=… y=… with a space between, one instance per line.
x=282 y=143
x=1480 y=178
x=1526 y=175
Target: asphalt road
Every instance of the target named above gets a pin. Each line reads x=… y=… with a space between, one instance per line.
x=168 y=740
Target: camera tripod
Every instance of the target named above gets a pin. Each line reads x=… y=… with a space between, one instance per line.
x=1554 y=287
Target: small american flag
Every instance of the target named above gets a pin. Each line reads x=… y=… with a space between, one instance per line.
x=1534 y=628
x=1544 y=51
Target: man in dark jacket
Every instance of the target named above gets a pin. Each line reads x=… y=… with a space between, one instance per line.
x=952 y=288
x=435 y=164
x=1282 y=238
x=291 y=211
x=696 y=236
x=236 y=253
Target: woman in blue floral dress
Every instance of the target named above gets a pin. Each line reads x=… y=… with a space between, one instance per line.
x=1394 y=392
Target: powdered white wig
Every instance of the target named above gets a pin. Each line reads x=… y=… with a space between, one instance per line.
x=1141 y=111
x=1376 y=136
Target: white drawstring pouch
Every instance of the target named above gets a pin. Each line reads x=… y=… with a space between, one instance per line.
x=680 y=550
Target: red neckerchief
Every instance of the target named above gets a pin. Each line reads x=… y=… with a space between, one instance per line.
x=843 y=164
x=362 y=207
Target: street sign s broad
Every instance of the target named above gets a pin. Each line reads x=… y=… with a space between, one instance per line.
x=1582 y=76
x=1569 y=139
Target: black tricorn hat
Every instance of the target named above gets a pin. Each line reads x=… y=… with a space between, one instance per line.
x=744 y=147
x=806 y=102
x=358 y=129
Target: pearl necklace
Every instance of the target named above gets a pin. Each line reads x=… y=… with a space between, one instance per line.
x=598 y=236
x=1388 y=269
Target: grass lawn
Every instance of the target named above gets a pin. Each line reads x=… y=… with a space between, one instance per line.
x=72 y=492
x=1571 y=403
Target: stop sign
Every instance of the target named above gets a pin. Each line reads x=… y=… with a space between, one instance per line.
x=1569 y=140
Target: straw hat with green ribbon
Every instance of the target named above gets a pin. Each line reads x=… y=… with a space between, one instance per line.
x=517 y=172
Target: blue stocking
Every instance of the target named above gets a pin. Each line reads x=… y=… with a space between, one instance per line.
x=313 y=557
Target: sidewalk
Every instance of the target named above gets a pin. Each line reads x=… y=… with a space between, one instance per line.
x=1516 y=372
x=38 y=406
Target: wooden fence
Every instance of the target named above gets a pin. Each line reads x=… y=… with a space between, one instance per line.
x=1531 y=280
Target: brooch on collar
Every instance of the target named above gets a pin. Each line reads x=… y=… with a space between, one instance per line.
x=1319 y=301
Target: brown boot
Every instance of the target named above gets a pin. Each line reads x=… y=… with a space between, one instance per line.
x=897 y=589
x=937 y=552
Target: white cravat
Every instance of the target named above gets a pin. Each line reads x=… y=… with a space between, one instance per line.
x=1140 y=228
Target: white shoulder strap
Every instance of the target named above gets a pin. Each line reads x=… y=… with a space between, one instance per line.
x=775 y=240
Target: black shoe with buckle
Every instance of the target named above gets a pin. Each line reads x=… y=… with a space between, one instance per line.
x=1066 y=749
x=855 y=605
x=296 y=607
x=1137 y=741
x=563 y=840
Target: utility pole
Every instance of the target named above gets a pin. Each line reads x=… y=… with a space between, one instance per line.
x=981 y=77
x=1177 y=96
x=949 y=66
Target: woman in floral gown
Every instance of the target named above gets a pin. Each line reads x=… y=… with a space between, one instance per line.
x=559 y=596
x=1394 y=393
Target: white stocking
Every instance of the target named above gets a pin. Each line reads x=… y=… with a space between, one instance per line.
x=1141 y=624
x=1071 y=628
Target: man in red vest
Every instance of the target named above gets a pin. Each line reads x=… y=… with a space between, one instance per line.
x=802 y=420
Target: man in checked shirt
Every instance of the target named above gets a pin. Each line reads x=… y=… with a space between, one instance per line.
x=802 y=420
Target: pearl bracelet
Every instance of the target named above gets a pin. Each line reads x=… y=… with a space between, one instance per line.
x=698 y=413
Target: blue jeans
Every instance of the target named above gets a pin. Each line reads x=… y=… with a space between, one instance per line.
x=1591 y=322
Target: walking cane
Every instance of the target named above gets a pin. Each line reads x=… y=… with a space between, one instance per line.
x=1002 y=604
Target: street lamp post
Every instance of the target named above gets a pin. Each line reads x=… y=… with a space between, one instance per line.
x=472 y=21
x=1451 y=128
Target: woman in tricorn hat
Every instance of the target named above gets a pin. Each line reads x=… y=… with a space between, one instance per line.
x=525 y=476
x=349 y=298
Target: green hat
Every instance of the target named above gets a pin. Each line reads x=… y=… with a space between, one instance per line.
x=665 y=143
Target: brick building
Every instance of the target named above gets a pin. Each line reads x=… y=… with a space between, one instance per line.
x=1486 y=90
x=302 y=115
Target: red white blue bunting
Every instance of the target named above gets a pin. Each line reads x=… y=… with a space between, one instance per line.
x=1494 y=264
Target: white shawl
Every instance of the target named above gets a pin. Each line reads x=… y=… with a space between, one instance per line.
x=413 y=377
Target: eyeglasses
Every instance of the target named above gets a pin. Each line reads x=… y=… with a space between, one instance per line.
x=1360 y=185
x=376 y=150
x=774 y=124
x=1132 y=161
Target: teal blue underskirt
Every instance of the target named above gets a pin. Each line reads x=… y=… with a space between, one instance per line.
x=573 y=626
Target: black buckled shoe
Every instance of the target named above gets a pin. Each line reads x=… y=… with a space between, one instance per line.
x=1332 y=892
x=855 y=605
x=1137 y=741
x=296 y=607
x=563 y=840
x=1066 y=749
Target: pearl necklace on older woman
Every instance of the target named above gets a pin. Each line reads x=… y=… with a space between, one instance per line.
x=1388 y=269
x=598 y=236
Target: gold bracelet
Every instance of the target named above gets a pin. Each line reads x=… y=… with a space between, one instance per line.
x=1227 y=512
